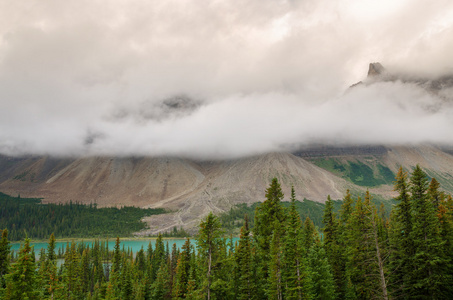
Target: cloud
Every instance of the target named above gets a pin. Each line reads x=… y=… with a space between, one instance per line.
x=87 y=78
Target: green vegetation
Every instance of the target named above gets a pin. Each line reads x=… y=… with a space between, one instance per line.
x=361 y=254
x=233 y=220
x=27 y=217
x=357 y=172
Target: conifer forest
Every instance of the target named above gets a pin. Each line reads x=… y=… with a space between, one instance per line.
x=358 y=252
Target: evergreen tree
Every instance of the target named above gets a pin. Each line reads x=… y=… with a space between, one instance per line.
x=309 y=235
x=275 y=290
x=323 y=283
x=297 y=283
x=346 y=209
x=182 y=272
x=267 y=214
x=21 y=282
x=331 y=244
x=52 y=285
x=208 y=241
x=115 y=273
x=401 y=244
x=71 y=273
x=160 y=289
x=4 y=258
x=244 y=265
x=428 y=277
x=85 y=272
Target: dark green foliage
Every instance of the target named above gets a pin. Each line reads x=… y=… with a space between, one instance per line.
x=208 y=245
x=386 y=173
x=269 y=217
x=294 y=271
x=4 y=257
x=233 y=219
x=244 y=268
x=357 y=172
x=22 y=282
x=28 y=217
x=332 y=245
x=428 y=277
x=323 y=284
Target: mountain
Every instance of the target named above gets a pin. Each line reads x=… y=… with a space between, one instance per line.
x=191 y=188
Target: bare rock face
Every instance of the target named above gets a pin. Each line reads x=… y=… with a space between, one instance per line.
x=375 y=69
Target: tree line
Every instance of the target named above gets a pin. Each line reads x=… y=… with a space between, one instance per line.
x=361 y=253
x=28 y=217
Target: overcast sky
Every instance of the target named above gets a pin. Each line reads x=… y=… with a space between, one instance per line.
x=89 y=77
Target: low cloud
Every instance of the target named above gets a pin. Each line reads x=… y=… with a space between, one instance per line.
x=215 y=80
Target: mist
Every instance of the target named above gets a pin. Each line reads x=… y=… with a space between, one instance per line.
x=215 y=79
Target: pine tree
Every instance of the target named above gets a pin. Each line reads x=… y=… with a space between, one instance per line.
x=85 y=272
x=401 y=244
x=160 y=289
x=52 y=285
x=115 y=273
x=331 y=244
x=208 y=241
x=323 y=283
x=267 y=214
x=71 y=273
x=244 y=267
x=309 y=235
x=4 y=258
x=182 y=272
x=98 y=268
x=21 y=282
x=295 y=275
x=428 y=277
x=434 y=194
x=275 y=290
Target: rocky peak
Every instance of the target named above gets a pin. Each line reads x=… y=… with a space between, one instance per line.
x=375 y=69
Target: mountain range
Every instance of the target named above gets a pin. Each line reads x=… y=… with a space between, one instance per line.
x=191 y=188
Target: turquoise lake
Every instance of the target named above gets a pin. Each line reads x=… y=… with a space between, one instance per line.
x=134 y=245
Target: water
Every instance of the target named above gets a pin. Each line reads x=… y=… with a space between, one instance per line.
x=134 y=245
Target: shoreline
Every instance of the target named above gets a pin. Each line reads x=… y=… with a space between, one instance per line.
x=100 y=238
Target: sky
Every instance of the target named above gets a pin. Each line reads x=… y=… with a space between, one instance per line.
x=80 y=78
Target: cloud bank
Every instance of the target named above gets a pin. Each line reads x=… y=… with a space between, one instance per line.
x=95 y=78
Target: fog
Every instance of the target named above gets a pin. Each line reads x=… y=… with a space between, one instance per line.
x=219 y=79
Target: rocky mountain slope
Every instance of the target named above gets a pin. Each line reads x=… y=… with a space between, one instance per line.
x=192 y=188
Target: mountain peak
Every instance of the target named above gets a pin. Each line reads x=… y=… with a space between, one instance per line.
x=375 y=69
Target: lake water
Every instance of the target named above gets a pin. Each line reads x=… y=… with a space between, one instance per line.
x=134 y=245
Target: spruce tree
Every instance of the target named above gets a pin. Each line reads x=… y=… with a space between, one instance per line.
x=322 y=280
x=4 y=258
x=267 y=214
x=362 y=268
x=160 y=289
x=183 y=269
x=295 y=275
x=309 y=235
x=428 y=278
x=401 y=244
x=208 y=242
x=244 y=265
x=331 y=244
x=52 y=285
x=275 y=281
x=21 y=282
